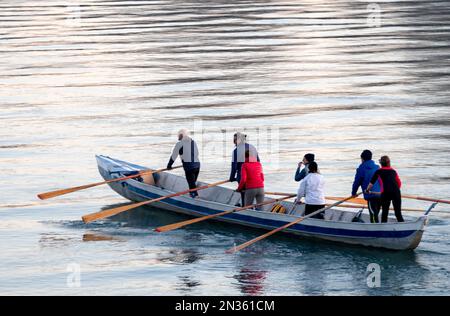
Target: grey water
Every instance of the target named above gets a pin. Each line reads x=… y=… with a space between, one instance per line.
x=119 y=78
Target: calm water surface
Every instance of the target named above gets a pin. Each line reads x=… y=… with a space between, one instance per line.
x=121 y=77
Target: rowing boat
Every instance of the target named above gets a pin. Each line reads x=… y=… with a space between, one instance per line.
x=338 y=225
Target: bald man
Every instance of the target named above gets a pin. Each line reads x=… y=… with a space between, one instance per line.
x=187 y=149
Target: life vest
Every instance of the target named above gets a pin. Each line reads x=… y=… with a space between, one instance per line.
x=278 y=208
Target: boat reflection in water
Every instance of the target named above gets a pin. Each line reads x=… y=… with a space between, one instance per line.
x=187 y=284
x=251 y=278
x=307 y=267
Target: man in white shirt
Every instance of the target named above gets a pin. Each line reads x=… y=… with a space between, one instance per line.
x=312 y=189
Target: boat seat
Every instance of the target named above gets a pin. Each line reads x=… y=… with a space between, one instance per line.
x=216 y=194
x=179 y=184
x=329 y=215
x=333 y=215
x=235 y=199
x=348 y=217
x=339 y=216
x=165 y=181
x=288 y=205
x=299 y=210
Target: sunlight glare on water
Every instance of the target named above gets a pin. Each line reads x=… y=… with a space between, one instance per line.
x=119 y=78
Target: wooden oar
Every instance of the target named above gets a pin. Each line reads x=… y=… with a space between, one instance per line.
x=405 y=196
x=362 y=206
x=250 y=242
x=333 y=198
x=424 y=199
x=114 y=211
x=203 y=218
x=359 y=201
x=414 y=197
x=48 y=195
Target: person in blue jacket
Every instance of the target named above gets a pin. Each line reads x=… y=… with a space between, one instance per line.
x=300 y=174
x=364 y=174
x=238 y=158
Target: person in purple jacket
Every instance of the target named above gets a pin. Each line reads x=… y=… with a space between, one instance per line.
x=364 y=174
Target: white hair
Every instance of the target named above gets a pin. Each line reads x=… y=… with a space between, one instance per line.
x=184 y=132
x=240 y=138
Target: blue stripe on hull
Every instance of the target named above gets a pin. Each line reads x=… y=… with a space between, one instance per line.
x=200 y=210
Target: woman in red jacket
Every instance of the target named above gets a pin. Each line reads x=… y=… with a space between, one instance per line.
x=390 y=189
x=252 y=180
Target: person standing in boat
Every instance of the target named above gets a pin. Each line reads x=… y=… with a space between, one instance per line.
x=187 y=149
x=252 y=180
x=390 y=184
x=300 y=174
x=312 y=189
x=238 y=158
x=364 y=174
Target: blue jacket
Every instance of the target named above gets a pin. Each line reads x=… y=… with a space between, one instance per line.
x=363 y=176
x=238 y=160
x=300 y=174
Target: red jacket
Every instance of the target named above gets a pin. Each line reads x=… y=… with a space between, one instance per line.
x=388 y=178
x=252 y=176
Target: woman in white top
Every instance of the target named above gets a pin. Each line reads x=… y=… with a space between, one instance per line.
x=312 y=189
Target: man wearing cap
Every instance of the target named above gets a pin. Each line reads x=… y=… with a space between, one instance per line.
x=300 y=174
x=187 y=149
x=364 y=174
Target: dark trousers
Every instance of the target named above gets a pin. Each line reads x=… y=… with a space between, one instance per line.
x=191 y=177
x=374 y=206
x=242 y=199
x=309 y=208
x=396 y=199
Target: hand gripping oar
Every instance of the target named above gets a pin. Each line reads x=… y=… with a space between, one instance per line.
x=203 y=218
x=114 y=211
x=48 y=195
x=250 y=242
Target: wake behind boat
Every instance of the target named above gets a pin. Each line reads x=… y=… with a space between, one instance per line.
x=338 y=225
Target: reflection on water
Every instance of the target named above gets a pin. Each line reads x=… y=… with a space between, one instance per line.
x=96 y=237
x=187 y=284
x=250 y=276
x=184 y=256
x=120 y=77
x=56 y=240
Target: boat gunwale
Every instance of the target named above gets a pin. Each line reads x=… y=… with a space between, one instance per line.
x=252 y=213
